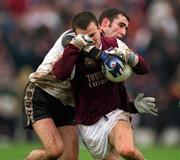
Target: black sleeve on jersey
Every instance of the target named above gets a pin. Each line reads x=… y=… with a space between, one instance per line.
x=132 y=108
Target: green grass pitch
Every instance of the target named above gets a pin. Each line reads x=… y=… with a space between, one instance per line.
x=18 y=151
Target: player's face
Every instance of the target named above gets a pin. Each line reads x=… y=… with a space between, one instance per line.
x=117 y=28
x=93 y=32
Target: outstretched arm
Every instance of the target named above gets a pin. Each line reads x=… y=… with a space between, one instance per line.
x=143 y=104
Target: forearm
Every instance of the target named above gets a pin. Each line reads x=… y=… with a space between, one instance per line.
x=132 y=108
x=141 y=67
x=64 y=66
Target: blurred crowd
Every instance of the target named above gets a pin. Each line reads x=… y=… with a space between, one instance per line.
x=29 y=28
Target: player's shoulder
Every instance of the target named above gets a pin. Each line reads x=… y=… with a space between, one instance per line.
x=63 y=39
x=68 y=32
x=67 y=36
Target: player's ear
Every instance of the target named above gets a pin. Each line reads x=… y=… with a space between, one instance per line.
x=105 y=22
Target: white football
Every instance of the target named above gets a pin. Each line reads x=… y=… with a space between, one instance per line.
x=120 y=78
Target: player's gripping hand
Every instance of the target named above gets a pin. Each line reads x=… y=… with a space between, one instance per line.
x=126 y=55
x=81 y=40
x=111 y=62
x=145 y=104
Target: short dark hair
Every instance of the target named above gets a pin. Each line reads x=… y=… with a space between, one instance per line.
x=111 y=14
x=83 y=19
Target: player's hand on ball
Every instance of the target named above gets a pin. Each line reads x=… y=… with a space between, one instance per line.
x=103 y=55
x=126 y=55
x=113 y=64
x=113 y=67
x=145 y=104
x=81 y=41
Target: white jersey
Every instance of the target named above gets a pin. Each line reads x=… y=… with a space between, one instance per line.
x=44 y=77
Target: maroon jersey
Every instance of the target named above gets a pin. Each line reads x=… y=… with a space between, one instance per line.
x=95 y=96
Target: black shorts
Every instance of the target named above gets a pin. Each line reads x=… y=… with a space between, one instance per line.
x=38 y=104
